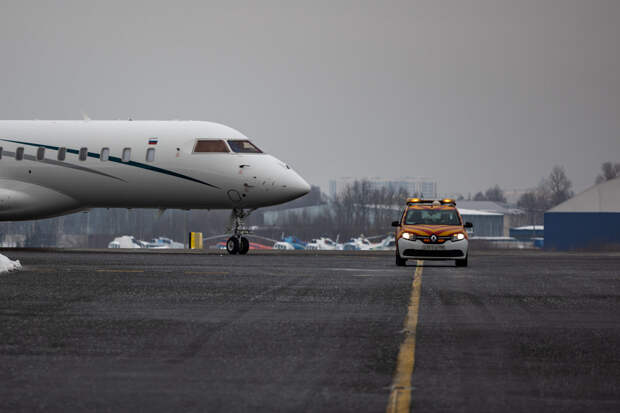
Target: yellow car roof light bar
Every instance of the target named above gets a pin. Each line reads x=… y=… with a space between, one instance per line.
x=445 y=201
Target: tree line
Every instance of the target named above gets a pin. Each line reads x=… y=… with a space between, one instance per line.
x=361 y=208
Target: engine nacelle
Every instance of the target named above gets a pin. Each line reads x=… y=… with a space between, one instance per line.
x=23 y=201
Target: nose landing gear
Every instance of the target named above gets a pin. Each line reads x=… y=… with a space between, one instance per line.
x=238 y=244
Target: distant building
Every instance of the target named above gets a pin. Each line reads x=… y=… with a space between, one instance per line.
x=487 y=206
x=419 y=186
x=486 y=224
x=510 y=216
x=590 y=219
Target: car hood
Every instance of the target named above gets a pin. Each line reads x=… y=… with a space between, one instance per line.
x=428 y=230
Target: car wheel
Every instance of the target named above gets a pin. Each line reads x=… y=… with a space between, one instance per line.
x=401 y=262
x=461 y=263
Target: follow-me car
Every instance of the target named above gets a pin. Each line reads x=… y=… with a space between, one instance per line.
x=431 y=230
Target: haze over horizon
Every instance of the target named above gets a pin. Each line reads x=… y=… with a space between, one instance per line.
x=473 y=93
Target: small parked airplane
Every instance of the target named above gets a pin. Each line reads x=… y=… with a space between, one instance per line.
x=360 y=243
x=323 y=243
x=51 y=168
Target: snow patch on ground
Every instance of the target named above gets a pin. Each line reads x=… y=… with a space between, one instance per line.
x=7 y=265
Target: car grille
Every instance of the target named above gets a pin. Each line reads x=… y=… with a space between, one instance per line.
x=433 y=253
x=440 y=240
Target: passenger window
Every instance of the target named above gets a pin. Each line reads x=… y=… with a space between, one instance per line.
x=83 y=154
x=126 y=155
x=19 y=153
x=242 y=146
x=40 y=154
x=150 y=154
x=105 y=154
x=62 y=154
x=210 y=145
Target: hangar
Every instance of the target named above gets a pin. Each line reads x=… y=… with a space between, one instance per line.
x=589 y=220
x=486 y=224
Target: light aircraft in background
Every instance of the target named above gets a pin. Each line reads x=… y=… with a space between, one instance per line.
x=360 y=243
x=290 y=242
x=323 y=243
x=283 y=245
x=164 y=242
x=387 y=243
x=126 y=241
x=363 y=243
x=51 y=168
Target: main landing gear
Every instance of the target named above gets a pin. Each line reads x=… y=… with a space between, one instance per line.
x=238 y=244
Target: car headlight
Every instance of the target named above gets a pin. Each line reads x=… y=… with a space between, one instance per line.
x=457 y=237
x=409 y=236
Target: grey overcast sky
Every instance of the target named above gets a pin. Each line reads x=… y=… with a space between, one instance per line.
x=470 y=92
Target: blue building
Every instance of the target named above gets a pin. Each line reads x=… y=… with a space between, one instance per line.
x=590 y=220
x=527 y=232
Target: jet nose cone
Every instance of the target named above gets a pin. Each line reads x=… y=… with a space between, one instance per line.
x=299 y=187
x=302 y=186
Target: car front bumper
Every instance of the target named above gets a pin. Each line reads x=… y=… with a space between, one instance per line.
x=417 y=249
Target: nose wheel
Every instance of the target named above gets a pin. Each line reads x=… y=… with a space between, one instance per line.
x=238 y=244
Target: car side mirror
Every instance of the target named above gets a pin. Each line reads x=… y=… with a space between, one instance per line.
x=468 y=225
x=396 y=223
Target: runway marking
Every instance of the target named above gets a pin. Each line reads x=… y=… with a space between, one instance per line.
x=400 y=395
x=120 y=270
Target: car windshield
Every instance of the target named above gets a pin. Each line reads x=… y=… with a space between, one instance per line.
x=432 y=217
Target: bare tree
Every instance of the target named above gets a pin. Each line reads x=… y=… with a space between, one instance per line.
x=553 y=190
x=361 y=209
x=535 y=202
x=558 y=186
x=495 y=194
x=608 y=171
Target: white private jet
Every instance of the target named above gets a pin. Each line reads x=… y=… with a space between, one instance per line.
x=51 y=168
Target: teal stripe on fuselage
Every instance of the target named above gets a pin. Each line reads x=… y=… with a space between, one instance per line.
x=118 y=160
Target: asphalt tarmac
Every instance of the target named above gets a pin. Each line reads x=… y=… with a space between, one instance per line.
x=119 y=331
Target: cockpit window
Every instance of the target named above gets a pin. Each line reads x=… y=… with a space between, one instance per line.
x=204 y=145
x=243 y=147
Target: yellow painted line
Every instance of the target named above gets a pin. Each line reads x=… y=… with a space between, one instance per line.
x=400 y=396
x=120 y=270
